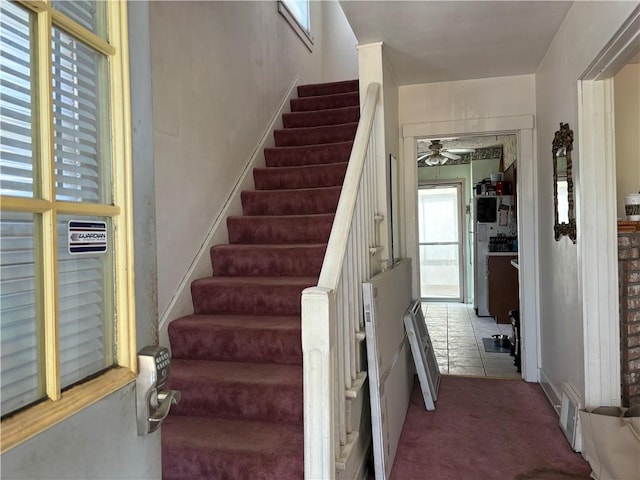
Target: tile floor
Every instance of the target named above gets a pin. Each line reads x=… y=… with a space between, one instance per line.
x=456 y=333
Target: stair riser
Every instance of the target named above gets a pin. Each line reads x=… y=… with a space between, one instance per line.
x=277 y=403
x=181 y=460
x=310 y=155
x=328 y=88
x=295 y=137
x=290 y=202
x=299 y=177
x=294 y=261
x=322 y=117
x=235 y=345
x=306 y=104
x=246 y=300
x=284 y=229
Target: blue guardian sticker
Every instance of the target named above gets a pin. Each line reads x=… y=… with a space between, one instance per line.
x=87 y=237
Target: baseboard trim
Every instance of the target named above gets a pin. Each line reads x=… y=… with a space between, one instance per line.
x=180 y=303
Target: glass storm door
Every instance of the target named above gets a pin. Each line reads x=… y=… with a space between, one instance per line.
x=440 y=242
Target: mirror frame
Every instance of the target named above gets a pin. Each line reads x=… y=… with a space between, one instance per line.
x=563 y=140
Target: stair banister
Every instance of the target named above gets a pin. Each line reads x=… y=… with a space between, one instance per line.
x=332 y=324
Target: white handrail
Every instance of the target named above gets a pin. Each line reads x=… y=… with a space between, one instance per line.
x=332 y=324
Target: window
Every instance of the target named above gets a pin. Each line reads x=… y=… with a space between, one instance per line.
x=65 y=220
x=297 y=13
x=300 y=11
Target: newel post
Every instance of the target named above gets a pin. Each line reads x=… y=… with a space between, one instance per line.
x=318 y=348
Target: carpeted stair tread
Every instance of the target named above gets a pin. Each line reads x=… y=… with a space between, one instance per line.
x=265 y=260
x=320 y=102
x=237 y=338
x=338 y=152
x=258 y=229
x=295 y=137
x=315 y=89
x=306 y=176
x=314 y=118
x=303 y=201
x=249 y=295
x=238 y=358
x=253 y=391
x=205 y=448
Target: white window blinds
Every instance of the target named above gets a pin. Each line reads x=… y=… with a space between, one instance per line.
x=80 y=133
x=84 y=302
x=16 y=116
x=19 y=329
x=84 y=284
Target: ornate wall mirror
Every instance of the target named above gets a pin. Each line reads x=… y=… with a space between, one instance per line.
x=565 y=221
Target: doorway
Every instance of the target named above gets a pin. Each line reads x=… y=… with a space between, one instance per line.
x=522 y=126
x=440 y=232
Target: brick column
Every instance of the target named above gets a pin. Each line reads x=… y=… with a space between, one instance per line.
x=629 y=294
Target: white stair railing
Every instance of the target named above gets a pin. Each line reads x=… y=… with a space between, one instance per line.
x=332 y=323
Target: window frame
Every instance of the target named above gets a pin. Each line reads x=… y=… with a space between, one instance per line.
x=303 y=32
x=59 y=405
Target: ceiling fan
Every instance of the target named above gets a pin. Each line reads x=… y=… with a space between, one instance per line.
x=437 y=155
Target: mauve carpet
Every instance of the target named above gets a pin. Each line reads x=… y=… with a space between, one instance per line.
x=237 y=360
x=485 y=429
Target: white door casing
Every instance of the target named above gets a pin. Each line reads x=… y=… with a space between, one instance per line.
x=522 y=126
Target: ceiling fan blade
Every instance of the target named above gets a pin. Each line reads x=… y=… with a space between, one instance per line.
x=452 y=156
x=422 y=157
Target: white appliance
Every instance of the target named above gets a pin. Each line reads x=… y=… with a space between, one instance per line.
x=493 y=216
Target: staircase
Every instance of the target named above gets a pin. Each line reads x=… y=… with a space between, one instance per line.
x=238 y=359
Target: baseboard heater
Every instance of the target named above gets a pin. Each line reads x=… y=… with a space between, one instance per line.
x=569 y=418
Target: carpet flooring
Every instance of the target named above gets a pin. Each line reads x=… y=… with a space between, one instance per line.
x=237 y=360
x=484 y=429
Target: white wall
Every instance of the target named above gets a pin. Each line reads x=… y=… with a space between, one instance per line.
x=584 y=33
x=627 y=119
x=100 y=442
x=220 y=70
x=467 y=99
x=392 y=141
x=462 y=100
x=374 y=68
x=340 y=59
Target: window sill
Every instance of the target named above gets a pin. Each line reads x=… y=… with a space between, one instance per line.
x=32 y=421
x=300 y=31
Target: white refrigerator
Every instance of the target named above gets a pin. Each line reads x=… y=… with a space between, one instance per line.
x=493 y=216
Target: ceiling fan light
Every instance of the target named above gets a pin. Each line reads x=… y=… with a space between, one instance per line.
x=437 y=159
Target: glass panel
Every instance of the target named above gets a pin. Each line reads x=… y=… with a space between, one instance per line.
x=439 y=239
x=439 y=271
x=81 y=125
x=16 y=115
x=438 y=215
x=20 y=363
x=563 y=201
x=90 y=14
x=300 y=11
x=85 y=306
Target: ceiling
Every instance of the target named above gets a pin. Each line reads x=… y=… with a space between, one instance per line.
x=437 y=41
